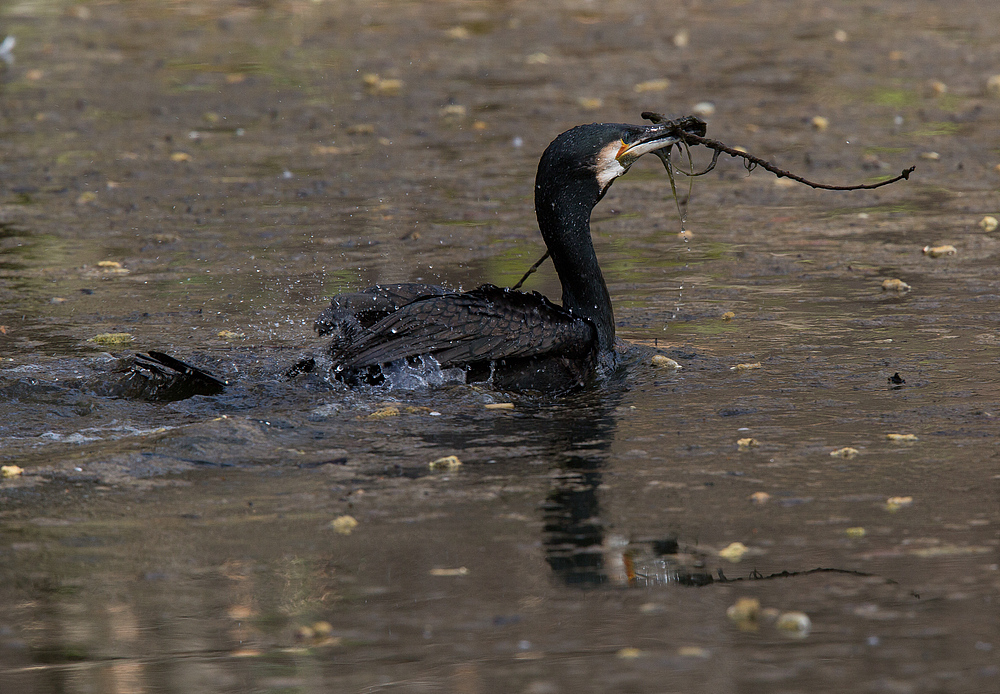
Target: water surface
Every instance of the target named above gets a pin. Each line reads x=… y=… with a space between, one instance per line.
x=204 y=176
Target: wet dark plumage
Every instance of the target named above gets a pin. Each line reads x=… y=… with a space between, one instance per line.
x=161 y=377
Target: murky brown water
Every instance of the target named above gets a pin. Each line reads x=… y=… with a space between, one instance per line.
x=237 y=169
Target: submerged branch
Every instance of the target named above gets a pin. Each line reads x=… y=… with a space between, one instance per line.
x=756 y=576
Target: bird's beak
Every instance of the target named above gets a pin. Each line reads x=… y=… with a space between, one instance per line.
x=654 y=138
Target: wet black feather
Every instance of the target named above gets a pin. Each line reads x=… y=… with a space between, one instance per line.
x=487 y=323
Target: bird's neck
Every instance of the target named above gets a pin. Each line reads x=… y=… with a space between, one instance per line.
x=563 y=213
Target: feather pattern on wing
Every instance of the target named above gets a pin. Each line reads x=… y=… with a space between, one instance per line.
x=487 y=323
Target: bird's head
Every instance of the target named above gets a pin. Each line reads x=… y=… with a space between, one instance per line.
x=602 y=152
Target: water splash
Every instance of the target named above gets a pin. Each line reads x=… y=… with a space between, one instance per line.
x=419 y=372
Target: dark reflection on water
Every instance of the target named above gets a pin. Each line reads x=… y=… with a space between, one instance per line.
x=574 y=530
x=574 y=533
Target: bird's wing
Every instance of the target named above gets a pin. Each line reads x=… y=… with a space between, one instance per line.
x=370 y=305
x=486 y=323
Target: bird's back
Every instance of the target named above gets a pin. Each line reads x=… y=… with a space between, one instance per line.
x=521 y=339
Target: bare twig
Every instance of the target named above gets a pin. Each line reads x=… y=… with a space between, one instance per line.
x=689 y=137
x=531 y=270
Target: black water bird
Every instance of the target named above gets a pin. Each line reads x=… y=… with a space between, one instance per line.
x=514 y=340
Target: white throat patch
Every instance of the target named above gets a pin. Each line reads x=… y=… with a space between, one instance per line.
x=608 y=167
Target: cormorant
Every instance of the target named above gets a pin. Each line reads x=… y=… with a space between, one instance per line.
x=516 y=341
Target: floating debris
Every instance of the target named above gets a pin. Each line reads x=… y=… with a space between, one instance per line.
x=112 y=339
x=663 y=362
x=537 y=59
x=180 y=156
x=499 y=406
x=704 y=109
x=989 y=223
x=895 y=285
x=820 y=123
x=734 y=552
x=760 y=498
x=747 y=443
x=846 y=452
x=453 y=111
x=109 y=267
x=993 y=85
x=840 y=36
x=894 y=503
x=8 y=471
x=344 y=524
x=383 y=412
x=693 y=652
x=932 y=156
x=629 y=653
x=590 y=103
x=902 y=438
x=940 y=251
x=230 y=335
x=327 y=149
x=449 y=462
x=795 y=624
x=651 y=86
x=86 y=198
x=745 y=614
x=682 y=38
x=728 y=315
x=745 y=367
x=855 y=533
x=460 y=571
x=382 y=87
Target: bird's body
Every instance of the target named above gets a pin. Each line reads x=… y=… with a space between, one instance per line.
x=517 y=341
x=514 y=340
